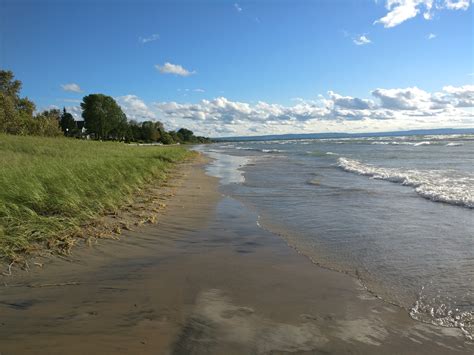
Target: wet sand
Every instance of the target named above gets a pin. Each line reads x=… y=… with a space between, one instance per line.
x=205 y=279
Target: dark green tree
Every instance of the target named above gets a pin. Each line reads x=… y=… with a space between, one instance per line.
x=166 y=138
x=151 y=131
x=185 y=135
x=68 y=124
x=103 y=117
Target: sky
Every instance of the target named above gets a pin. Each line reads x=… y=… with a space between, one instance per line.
x=226 y=68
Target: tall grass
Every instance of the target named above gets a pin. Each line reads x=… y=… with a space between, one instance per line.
x=49 y=186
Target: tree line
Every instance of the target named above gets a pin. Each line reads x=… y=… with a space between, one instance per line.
x=103 y=119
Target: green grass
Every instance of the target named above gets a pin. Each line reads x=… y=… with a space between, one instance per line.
x=50 y=186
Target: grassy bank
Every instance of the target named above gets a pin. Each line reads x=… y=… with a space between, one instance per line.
x=50 y=186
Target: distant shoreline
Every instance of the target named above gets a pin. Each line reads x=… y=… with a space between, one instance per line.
x=439 y=131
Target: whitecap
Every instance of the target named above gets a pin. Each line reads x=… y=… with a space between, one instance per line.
x=436 y=185
x=422 y=143
x=272 y=151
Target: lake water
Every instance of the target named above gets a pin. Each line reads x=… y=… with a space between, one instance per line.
x=395 y=212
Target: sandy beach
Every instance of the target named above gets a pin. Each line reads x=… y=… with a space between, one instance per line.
x=205 y=279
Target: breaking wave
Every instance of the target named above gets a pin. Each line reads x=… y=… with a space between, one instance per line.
x=260 y=150
x=436 y=185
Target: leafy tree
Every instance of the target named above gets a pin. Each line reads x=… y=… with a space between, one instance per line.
x=15 y=112
x=175 y=137
x=166 y=138
x=45 y=124
x=8 y=86
x=68 y=124
x=185 y=135
x=103 y=117
x=151 y=131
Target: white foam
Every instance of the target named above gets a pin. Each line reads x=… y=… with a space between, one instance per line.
x=272 y=151
x=442 y=315
x=454 y=144
x=247 y=148
x=436 y=185
x=422 y=143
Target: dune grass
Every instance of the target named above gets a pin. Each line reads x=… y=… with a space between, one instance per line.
x=49 y=186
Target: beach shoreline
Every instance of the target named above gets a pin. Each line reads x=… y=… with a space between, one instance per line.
x=204 y=279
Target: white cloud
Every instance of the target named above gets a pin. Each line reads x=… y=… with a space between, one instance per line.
x=71 y=87
x=361 y=40
x=385 y=110
x=457 y=4
x=400 y=11
x=169 y=68
x=135 y=108
x=199 y=90
x=75 y=111
x=391 y=109
x=237 y=7
x=403 y=99
x=151 y=38
x=347 y=102
x=431 y=36
x=464 y=95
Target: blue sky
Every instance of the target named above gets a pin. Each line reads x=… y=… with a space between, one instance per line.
x=225 y=67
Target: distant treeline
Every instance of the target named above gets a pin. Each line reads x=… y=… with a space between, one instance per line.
x=103 y=119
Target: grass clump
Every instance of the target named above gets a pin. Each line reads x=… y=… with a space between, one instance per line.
x=51 y=186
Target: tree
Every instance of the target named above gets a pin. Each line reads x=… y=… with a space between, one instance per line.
x=151 y=131
x=15 y=112
x=185 y=135
x=8 y=86
x=103 y=117
x=166 y=138
x=68 y=124
x=45 y=124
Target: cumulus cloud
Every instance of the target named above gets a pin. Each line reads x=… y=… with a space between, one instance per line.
x=347 y=102
x=384 y=110
x=403 y=99
x=135 y=108
x=75 y=111
x=389 y=109
x=463 y=96
x=151 y=38
x=361 y=40
x=169 y=68
x=71 y=87
x=400 y=11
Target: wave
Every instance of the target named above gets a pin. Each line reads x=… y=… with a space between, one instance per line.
x=247 y=148
x=454 y=144
x=415 y=144
x=421 y=143
x=436 y=185
x=272 y=151
x=260 y=150
x=319 y=153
